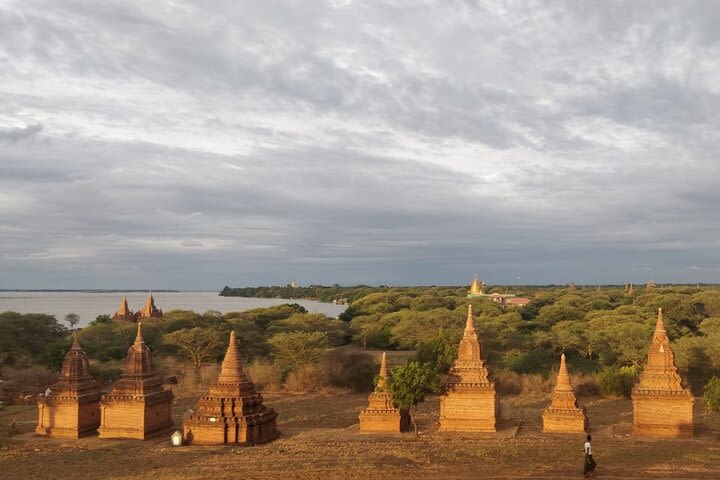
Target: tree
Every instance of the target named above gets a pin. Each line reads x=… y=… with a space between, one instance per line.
x=410 y=384
x=100 y=319
x=72 y=319
x=197 y=344
x=711 y=394
x=295 y=349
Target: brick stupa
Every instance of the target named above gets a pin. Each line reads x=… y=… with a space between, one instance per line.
x=123 y=314
x=469 y=402
x=662 y=406
x=73 y=407
x=149 y=310
x=381 y=415
x=137 y=406
x=564 y=415
x=232 y=411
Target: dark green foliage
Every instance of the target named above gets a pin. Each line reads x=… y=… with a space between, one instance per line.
x=711 y=394
x=409 y=385
x=55 y=354
x=24 y=338
x=100 y=319
x=439 y=352
x=617 y=381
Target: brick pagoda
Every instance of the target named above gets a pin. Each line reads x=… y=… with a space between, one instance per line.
x=73 y=407
x=232 y=411
x=123 y=314
x=564 y=415
x=469 y=402
x=149 y=310
x=381 y=415
x=662 y=406
x=137 y=406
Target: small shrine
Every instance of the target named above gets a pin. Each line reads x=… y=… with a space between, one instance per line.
x=149 y=310
x=123 y=314
x=137 y=406
x=381 y=415
x=469 y=402
x=564 y=415
x=662 y=406
x=476 y=288
x=71 y=407
x=232 y=411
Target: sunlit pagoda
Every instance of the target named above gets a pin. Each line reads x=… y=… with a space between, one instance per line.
x=232 y=411
x=137 y=406
x=662 y=406
x=564 y=415
x=470 y=402
x=123 y=314
x=150 y=310
x=72 y=406
x=476 y=288
x=380 y=414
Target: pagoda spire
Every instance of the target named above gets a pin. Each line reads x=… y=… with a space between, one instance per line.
x=660 y=325
x=139 y=340
x=469 y=326
x=563 y=379
x=76 y=343
x=383 y=376
x=231 y=370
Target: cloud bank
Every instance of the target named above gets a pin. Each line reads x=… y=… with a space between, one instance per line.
x=197 y=144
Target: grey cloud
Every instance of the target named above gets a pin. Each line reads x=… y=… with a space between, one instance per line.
x=380 y=143
x=20 y=133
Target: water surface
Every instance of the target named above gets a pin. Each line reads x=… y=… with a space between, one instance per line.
x=90 y=305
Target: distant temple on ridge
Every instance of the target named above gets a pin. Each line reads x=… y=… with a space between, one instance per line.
x=124 y=315
x=477 y=289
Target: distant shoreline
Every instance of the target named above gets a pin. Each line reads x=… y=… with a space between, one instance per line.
x=92 y=290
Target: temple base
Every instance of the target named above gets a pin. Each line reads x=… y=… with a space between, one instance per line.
x=390 y=421
x=659 y=415
x=469 y=411
x=565 y=421
x=68 y=420
x=137 y=420
x=248 y=430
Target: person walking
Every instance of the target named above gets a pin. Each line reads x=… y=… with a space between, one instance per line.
x=589 y=460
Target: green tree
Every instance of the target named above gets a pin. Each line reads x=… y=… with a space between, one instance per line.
x=294 y=349
x=100 y=319
x=197 y=344
x=711 y=394
x=72 y=319
x=440 y=352
x=410 y=384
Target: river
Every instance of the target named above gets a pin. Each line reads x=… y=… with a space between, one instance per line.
x=89 y=305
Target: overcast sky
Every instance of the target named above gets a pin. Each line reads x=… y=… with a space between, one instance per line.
x=191 y=145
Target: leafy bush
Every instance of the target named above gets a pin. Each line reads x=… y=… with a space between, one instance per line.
x=711 y=394
x=617 y=382
x=439 y=352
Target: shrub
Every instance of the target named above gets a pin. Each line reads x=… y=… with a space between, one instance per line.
x=711 y=394
x=535 y=385
x=617 y=382
x=351 y=370
x=508 y=383
x=438 y=352
x=266 y=376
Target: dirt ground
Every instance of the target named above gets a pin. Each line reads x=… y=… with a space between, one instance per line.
x=320 y=440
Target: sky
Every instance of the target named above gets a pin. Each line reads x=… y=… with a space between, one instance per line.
x=192 y=145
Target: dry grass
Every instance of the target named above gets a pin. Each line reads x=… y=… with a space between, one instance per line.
x=320 y=439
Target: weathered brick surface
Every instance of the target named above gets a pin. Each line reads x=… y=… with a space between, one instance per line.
x=564 y=415
x=72 y=409
x=469 y=402
x=662 y=406
x=381 y=415
x=137 y=406
x=232 y=411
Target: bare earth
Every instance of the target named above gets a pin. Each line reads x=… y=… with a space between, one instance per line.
x=320 y=439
